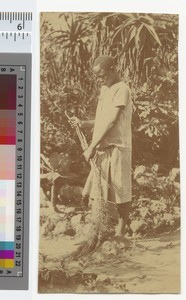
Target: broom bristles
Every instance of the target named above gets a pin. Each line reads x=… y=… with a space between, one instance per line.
x=99 y=220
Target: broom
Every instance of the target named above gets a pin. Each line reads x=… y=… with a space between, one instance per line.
x=99 y=212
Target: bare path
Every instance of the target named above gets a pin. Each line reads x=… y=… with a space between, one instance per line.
x=152 y=266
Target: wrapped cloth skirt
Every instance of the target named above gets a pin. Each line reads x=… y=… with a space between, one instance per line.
x=115 y=175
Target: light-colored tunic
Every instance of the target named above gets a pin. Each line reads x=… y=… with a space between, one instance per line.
x=113 y=156
x=118 y=95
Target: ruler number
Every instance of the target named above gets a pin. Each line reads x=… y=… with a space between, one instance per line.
x=19 y=26
x=18 y=263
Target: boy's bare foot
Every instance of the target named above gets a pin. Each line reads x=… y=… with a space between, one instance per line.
x=119 y=231
x=120 y=227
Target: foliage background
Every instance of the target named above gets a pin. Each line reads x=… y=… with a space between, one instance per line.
x=145 y=48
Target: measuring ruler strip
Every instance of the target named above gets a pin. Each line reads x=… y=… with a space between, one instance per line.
x=15 y=42
x=15 y=107
x=16 y=21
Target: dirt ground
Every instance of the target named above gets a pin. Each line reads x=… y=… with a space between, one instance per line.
x=149 y=265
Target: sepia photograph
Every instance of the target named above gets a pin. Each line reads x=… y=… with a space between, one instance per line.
x=109 y=161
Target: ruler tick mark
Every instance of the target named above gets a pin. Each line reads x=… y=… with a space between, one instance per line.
x=23 y=20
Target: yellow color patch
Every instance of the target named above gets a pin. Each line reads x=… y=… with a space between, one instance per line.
x=7 y=263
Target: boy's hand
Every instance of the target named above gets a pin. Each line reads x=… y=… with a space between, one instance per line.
x=89 y=153
x=74 y=121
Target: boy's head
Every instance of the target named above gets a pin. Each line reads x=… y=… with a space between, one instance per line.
x=104 y=69
x=105 y=62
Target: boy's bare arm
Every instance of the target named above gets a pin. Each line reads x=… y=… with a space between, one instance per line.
x=74 y=121
x=87 y=123
x=89 y=153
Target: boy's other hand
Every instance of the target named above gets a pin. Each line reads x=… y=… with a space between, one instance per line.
x=89 y=153
x=74 y=121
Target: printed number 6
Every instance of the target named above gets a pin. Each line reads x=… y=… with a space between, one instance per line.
x=19 y=26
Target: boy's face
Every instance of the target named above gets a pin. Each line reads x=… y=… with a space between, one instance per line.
x=106 y=77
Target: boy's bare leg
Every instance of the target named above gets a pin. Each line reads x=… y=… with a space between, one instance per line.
x=123 y=213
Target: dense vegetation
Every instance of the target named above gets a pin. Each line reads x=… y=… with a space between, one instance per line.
x=145 y=49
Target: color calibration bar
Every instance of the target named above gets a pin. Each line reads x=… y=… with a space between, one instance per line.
x=12 y=105
x=15 y=119
x=7 y=170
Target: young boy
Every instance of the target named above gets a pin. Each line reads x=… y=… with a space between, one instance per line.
x=111 y=141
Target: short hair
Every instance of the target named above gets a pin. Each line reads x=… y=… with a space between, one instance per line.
x=105 y=62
